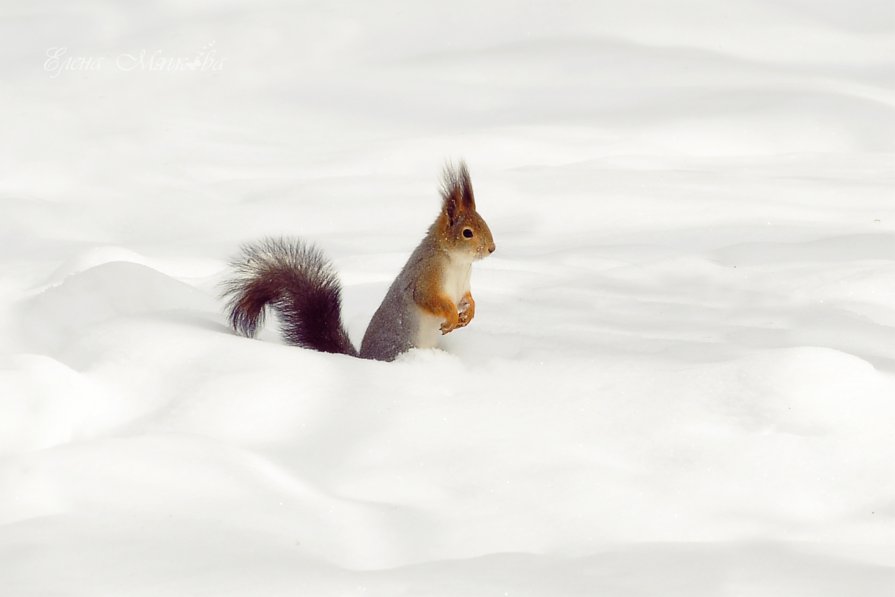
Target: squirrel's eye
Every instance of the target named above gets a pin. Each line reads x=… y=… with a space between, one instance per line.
x=467 y=232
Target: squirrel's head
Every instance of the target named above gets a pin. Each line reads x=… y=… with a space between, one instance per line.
x=462 y=228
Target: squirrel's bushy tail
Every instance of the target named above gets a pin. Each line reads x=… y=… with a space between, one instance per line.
x=297 y=282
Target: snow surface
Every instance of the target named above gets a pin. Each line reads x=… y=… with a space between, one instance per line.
x=681 y=376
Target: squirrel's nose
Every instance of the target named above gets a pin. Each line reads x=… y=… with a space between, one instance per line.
x=491 y=248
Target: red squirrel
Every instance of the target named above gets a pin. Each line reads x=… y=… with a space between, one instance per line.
x=430 y=295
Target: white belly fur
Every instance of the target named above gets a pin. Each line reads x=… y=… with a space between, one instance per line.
x=429 y=330
x=455 y=284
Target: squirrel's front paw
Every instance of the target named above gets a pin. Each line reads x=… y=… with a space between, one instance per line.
x=467 y=311
x=450 y=324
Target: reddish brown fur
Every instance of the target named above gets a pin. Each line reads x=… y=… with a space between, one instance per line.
x=429 y=296
x=466 y=316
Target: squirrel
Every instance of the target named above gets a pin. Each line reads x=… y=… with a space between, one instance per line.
x=430 y=295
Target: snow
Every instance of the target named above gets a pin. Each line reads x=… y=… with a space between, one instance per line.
x=681 y=375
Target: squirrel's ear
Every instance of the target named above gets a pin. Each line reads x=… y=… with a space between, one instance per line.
x=468 y=196
x=456 y=192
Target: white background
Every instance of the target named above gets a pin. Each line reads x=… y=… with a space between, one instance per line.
x=680 y=377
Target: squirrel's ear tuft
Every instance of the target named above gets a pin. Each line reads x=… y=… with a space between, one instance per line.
x=456 y=191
